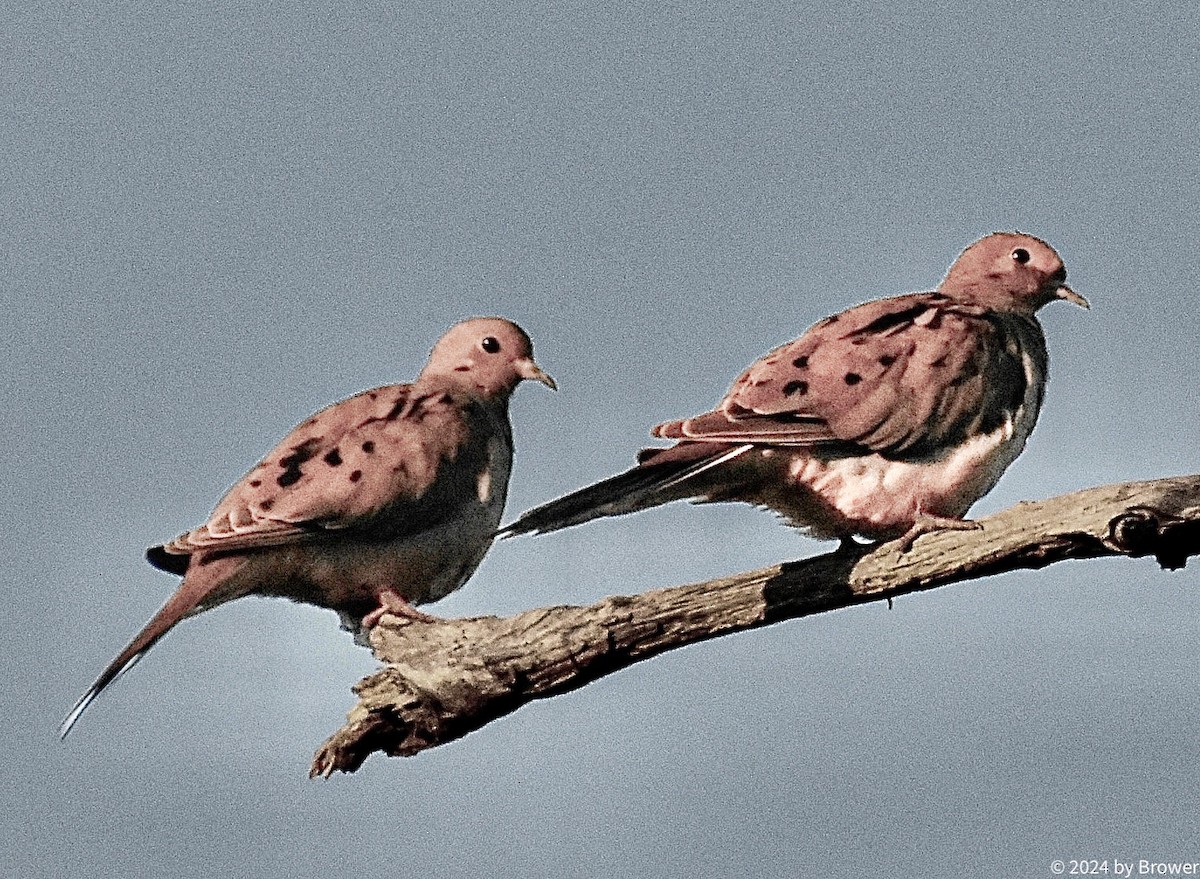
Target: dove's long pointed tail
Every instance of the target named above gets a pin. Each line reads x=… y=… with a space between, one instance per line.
x=179 y=605
x=664 y=475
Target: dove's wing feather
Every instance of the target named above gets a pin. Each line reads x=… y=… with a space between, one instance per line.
x=374 y=455
x=900 y=376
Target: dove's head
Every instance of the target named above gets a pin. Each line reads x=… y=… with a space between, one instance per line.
x=489 y=355
x=1008 y=271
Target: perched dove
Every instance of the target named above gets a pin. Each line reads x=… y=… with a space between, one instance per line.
x=888 y=420
x=385 y=500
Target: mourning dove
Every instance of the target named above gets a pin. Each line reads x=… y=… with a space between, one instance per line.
x=888 y=420
x=385 y=500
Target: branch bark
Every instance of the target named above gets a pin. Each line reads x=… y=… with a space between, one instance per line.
x=442 y=680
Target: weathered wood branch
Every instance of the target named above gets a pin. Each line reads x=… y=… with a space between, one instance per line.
x=445 y=679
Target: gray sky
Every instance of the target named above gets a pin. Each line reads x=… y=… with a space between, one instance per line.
x=215 y=219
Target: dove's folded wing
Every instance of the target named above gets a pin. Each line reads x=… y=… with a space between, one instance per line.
x=375 y=454
x=900 y=376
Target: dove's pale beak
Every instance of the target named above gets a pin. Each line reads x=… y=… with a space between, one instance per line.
x=1069 y=295
x=530 y=370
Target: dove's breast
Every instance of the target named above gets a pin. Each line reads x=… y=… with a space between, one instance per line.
x=474 y=528
x=433 y=562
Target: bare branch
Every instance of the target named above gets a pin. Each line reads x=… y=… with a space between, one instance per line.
x=445 y=679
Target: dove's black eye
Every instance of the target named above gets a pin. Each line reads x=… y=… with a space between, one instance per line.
x=1021 y=255
x=490 y=345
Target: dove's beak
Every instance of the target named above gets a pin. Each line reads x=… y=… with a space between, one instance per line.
x=1069 y=295
x=528 y=369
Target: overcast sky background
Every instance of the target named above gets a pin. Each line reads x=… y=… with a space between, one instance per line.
x=216 y=218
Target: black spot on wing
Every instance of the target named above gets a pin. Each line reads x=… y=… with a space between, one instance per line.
x=894 y=319
x=397 y=408
x=415 y=408
x=333 y=458
x=402 y=401
x=289 y=477
x=292 y=463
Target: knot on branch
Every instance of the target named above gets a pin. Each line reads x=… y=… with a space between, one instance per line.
x=1143 y=530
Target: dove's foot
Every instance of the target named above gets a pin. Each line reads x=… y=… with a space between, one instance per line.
x=394 y=603
x=927 y=524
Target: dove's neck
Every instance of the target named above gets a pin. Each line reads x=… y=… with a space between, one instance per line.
x=986 y=292
x=464 y=383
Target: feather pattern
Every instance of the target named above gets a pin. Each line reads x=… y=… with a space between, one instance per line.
x=904 y=377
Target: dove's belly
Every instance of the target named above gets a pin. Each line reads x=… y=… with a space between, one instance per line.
x=880 y=498
x=347 y=575
x=421 y=570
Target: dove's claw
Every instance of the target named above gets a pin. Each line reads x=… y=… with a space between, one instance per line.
x=397 y=605
x=927 y=524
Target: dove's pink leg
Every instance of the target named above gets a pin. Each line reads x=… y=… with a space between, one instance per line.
x=394 y=603
x=928 y=524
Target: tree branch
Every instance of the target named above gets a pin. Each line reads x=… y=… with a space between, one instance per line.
x=445 y=679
